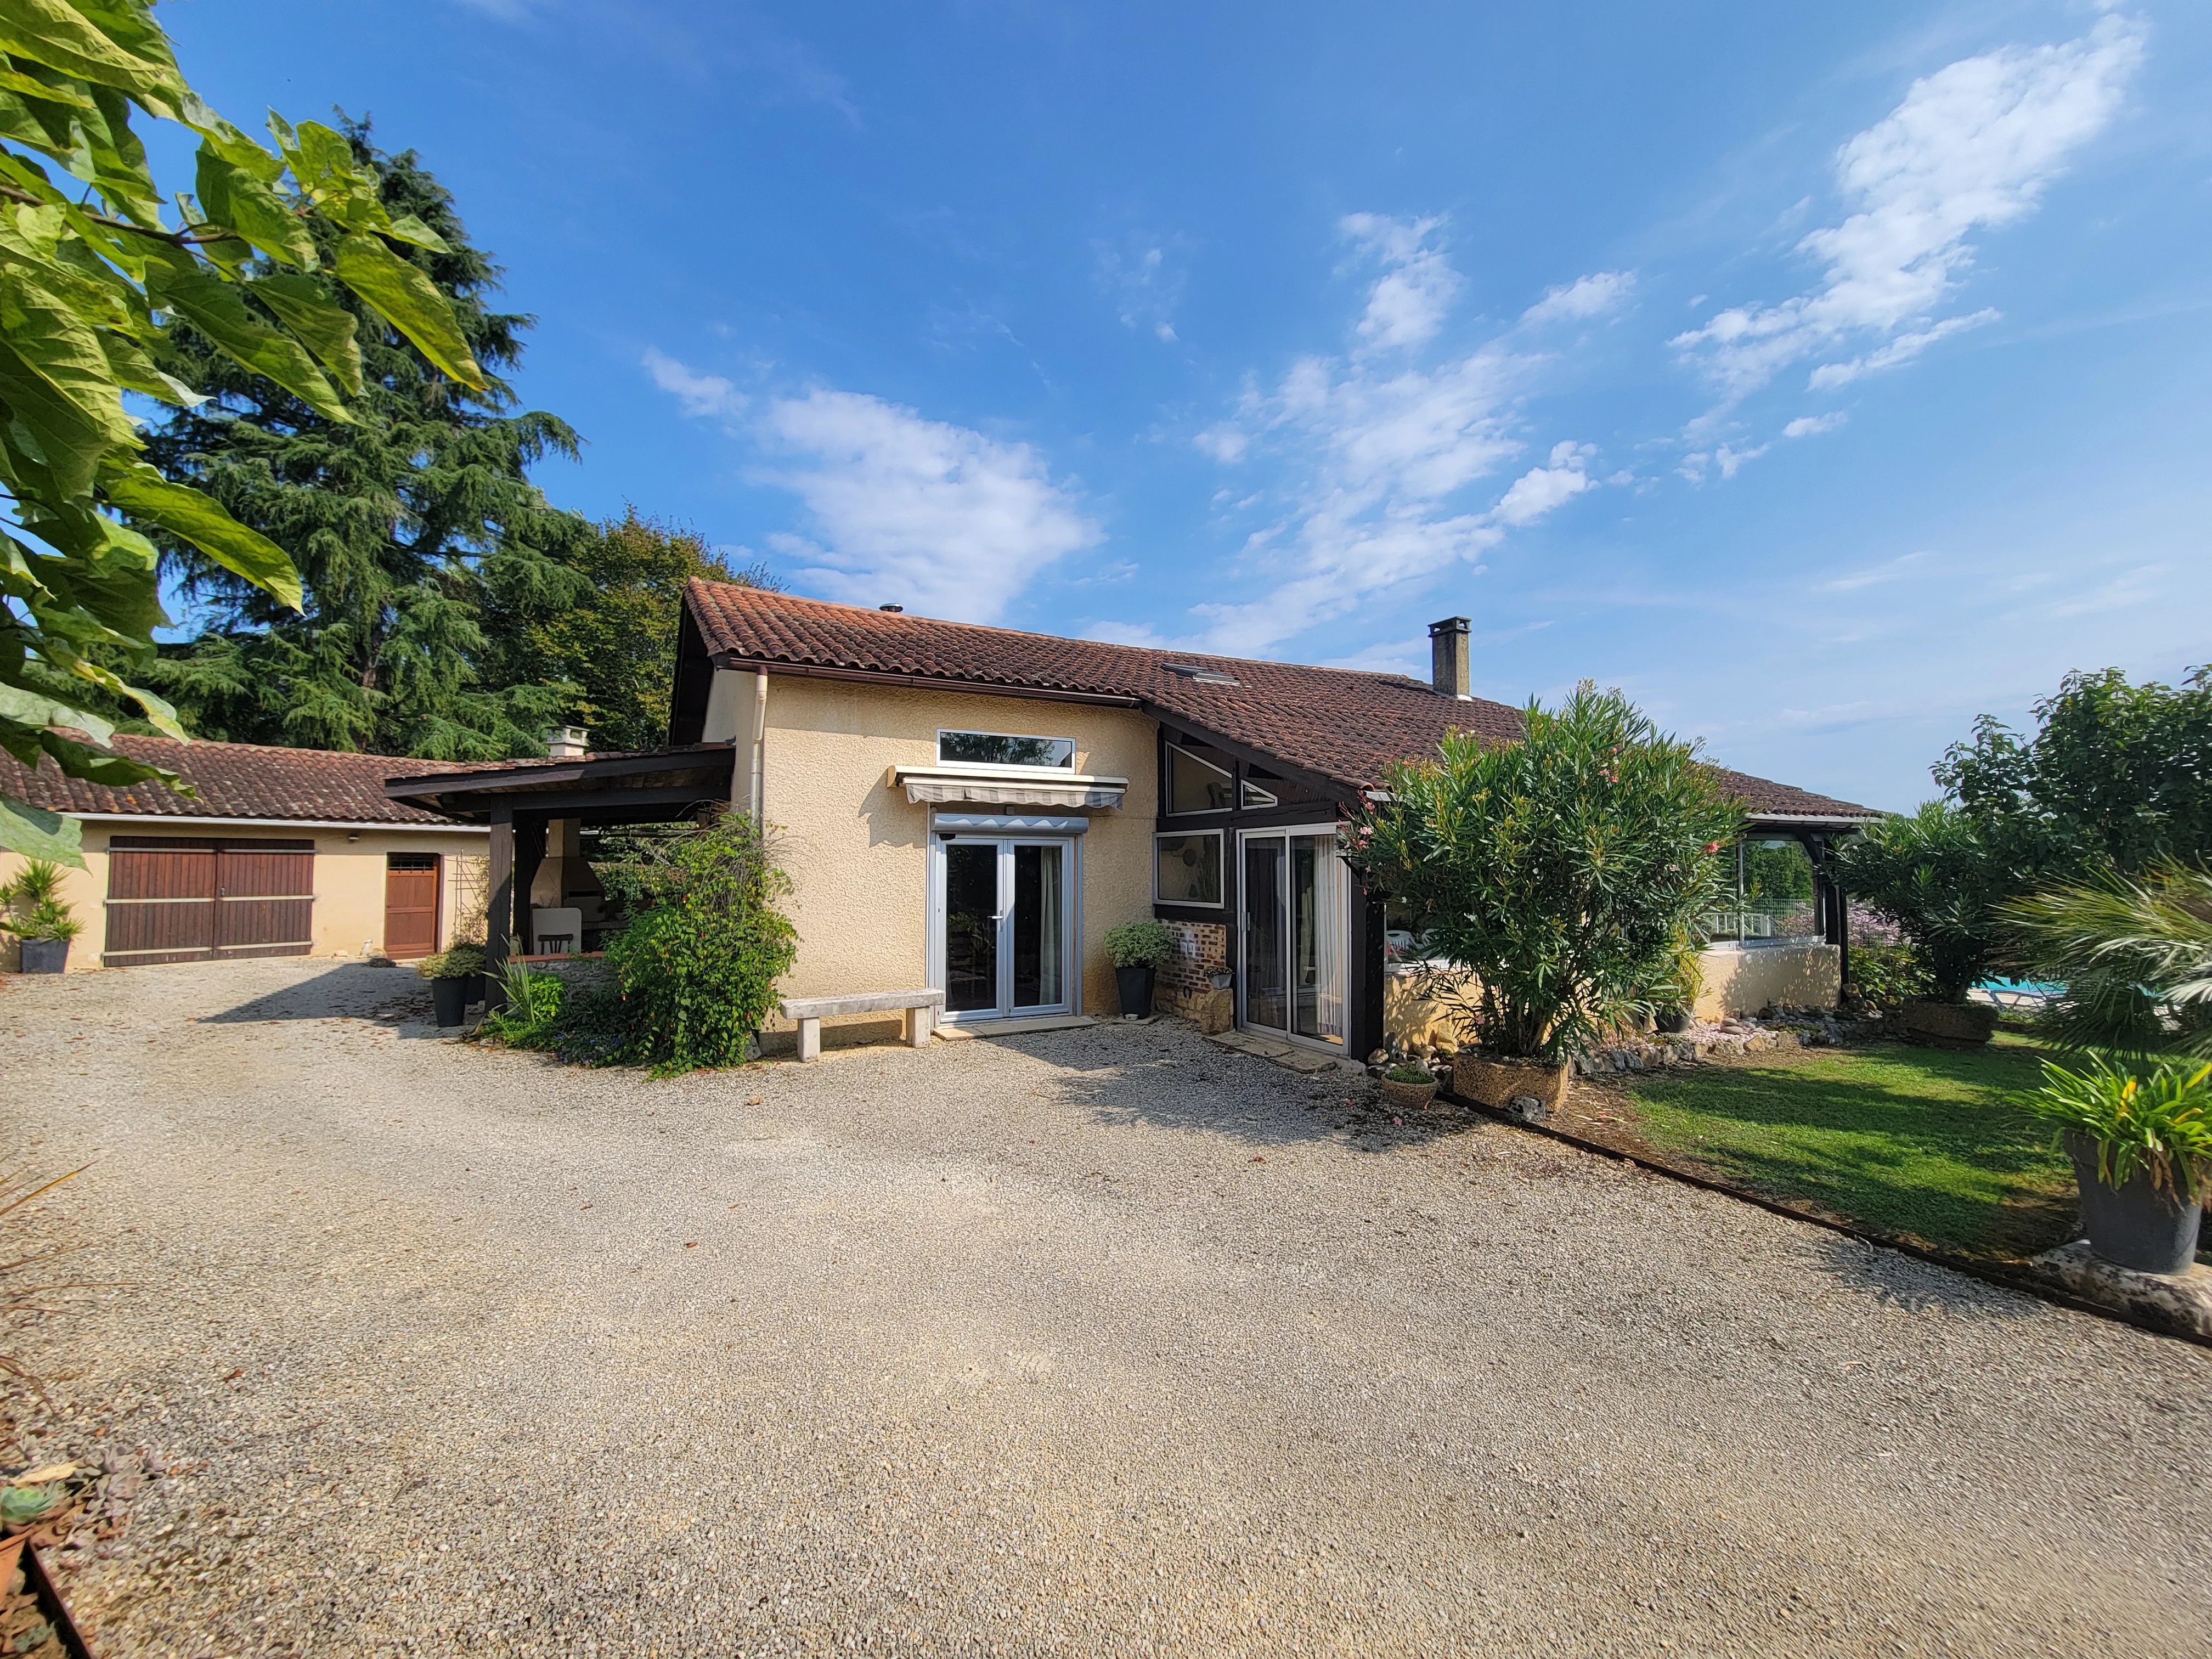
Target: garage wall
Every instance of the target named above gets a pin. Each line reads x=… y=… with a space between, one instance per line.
x=857 y=850
x=349 y=913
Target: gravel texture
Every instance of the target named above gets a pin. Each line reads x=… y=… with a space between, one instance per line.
x=1101 y=1342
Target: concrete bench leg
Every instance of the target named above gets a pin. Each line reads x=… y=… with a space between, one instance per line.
x=810 y=1039
x=918 y=1024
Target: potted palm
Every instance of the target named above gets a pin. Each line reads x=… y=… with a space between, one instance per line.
x=1554 y=878
x=32 y=908
x=1137 y=949
x=2134 y=956
x=457 y=979
x=1932 y=874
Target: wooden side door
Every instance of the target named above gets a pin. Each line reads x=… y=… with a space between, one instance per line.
x=161 y=900
x=264 y=898
x=411 y=905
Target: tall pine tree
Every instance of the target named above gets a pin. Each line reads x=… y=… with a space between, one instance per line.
x=416 y=529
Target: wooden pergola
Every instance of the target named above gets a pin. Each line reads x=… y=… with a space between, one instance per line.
x=519 y=800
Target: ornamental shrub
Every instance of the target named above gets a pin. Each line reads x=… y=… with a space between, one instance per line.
x=692 y=978
x=1561 y=872
x=1140 y=945
x=1940 y=880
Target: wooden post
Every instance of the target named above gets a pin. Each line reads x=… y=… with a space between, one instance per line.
x=499 y=903
x=528 y=854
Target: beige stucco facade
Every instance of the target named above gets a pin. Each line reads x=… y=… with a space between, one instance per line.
x=349 y=866
x=857 y=850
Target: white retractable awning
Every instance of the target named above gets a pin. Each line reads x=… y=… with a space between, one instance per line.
x=1007 y=785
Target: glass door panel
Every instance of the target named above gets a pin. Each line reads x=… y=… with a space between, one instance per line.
x=971 y=926
x=1039 y=958
x=1317 y=923
x=1265 y=991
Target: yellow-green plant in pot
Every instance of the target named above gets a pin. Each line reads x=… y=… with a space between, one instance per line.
x=2141 y=1140
x=32 y=908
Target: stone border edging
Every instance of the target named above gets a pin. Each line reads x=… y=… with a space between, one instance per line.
x=2026 y=1284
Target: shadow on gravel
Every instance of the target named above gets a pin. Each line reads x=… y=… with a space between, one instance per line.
x=356 y=990
x=1171 y=1078
x=1900 y=1281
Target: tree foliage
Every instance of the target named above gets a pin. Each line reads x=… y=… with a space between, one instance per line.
x=2134 y=954
x=2115 y=774
x=424 y=546
x=1560 y=872
x=1933 y=874
x=617 y=643
x=94 y=282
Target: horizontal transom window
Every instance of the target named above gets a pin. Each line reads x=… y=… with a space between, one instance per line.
x=1003 y=749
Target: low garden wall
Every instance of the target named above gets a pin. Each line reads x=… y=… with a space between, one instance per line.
x=1185 y=985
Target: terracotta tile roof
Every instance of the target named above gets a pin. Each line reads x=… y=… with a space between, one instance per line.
x=1336 y=723
x=234 y=781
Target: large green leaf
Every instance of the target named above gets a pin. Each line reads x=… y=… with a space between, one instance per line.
x=234 y=198
x=217 y=309
x=301 y=305
x=144 y=493
x=409 y=301
x=36 y=709
x=136 y=371
x=60 y=35
x=57 y=92
x=51 y=433
x=38 y=834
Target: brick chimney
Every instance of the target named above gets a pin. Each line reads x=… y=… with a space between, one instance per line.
x=566 y=742
x=1448 y=670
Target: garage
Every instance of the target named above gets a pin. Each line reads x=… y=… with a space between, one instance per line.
x=190 y=898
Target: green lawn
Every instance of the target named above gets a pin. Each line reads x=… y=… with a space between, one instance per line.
x=1916 y=1141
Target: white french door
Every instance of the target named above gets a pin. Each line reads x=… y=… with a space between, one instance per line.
x=1002 y=925
x=1293 y=889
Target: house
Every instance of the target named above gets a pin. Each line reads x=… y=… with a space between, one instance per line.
x=971 y=808
x=277 y=852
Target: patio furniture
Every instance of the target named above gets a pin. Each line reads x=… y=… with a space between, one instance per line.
x=920 y=1008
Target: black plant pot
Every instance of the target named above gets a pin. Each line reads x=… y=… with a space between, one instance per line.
x=1136 y=985
x=45 y=956
x=476 y=984
x=450 y=998
x=2134 y=1224
x=1674 y=1021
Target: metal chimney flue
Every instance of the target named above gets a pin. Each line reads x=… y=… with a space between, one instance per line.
x=1447 y=657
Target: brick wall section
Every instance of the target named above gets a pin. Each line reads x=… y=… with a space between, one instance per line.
x=1201 y=952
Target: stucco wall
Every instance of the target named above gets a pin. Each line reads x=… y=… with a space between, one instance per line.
x=349 y=882
x=857 y=850
x=1736 y=982
x=1744 y=979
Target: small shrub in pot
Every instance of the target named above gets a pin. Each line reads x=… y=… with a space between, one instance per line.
x=456 y=977
x=32 y=908
x=1137 y=949
x=1408 y=1086
x=2141 y=1140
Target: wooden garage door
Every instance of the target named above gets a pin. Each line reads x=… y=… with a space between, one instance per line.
x=184 y=899
x=411 y=905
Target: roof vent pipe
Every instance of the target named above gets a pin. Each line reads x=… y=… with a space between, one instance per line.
x=892 y=608
x=1448 y=670
x=566 y=742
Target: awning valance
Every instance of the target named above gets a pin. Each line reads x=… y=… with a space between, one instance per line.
x=1008 y=786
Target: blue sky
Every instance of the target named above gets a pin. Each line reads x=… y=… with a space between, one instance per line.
x=1822 y=376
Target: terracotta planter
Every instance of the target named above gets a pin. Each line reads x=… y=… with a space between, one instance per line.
x=27 y=1596
x=1492 y=1083
x=2134 y=1224
x=1408 y=1097
x=1947 y=1024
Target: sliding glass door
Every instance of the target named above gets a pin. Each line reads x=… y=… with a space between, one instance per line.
x=1003 y=923
x=1293 y=960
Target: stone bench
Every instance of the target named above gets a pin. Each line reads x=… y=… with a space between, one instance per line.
x=919 y=1008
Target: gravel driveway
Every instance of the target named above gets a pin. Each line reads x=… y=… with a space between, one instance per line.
x=1099 y=1342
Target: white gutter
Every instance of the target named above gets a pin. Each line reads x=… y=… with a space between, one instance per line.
x=281 y=824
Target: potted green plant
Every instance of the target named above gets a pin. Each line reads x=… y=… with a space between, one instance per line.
x=1933 y=875
x=31 y=908
x=1408 y=1087
x=1137 y=949
x=2141 y=1145
x=1554 y=879
x=1673 y=999
x=457 y=978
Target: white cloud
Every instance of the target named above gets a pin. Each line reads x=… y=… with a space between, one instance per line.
x=1385 y=456
x=1145 y=277
x=936 y=517
x=1586 y=297
x=1408 y=303
x=1812 y=426
x=704 y=397
x=1877 y=575
x=1971 y=148
x=1730 y=461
